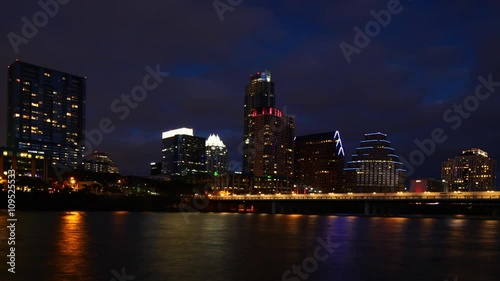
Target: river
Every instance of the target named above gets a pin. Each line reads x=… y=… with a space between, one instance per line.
x=116 y=246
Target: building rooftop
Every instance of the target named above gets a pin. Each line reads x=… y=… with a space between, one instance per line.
x=214 y=140
x=180 y=131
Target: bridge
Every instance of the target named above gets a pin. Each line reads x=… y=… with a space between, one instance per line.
x=426 y=196
x=480 y=203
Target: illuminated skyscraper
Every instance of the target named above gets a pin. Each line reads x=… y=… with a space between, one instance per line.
x=46 y=112
x=259 y=94
x=319 y=162
x=183 y=153
x=375 y=167
x=216 y=155
x=472 y=170
x=268 y=134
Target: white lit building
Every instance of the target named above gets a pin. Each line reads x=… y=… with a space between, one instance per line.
x=182 y=153
x=216 y=155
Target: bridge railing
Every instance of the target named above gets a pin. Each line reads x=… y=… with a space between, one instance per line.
x=361 y=196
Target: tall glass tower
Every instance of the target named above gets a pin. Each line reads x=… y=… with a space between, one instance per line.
x=268 y=149
x=183 y=153
x=46 y=112
x=259 y=94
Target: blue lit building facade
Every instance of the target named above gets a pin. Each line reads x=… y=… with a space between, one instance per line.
x=375 y=167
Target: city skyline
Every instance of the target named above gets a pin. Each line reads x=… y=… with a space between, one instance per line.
x=250 y=140
x=265 y=76
x=400 y=87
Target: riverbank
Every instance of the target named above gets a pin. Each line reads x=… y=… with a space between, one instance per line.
x=90 y=202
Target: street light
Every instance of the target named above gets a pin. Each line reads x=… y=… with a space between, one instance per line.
x=72 y=182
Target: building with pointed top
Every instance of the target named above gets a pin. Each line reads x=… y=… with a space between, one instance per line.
x=216 y=155
x=319 y=162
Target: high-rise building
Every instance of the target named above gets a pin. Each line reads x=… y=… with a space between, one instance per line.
x=268 y=134
x=99 y=162
x=183 y=153
x=375 y=167
x=472 y=170
x=216 y=155
x=259 y=94
x=319 y=162
x=27 y=164
x=46 y=112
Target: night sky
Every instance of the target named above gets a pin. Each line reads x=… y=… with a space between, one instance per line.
x=425 y=60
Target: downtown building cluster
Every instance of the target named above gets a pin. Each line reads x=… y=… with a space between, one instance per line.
x=46 y=127
x=187 y=155
x=274 y=160
x=45 y=124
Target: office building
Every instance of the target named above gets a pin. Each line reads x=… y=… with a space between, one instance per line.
x=430 y=185
x=99 y=162
x=375 y=167
x=319 y=162
x=216 y=155
x=472 y=170
x=268 y=149
x=183 y=153
x=27 y=164
x=46 y=112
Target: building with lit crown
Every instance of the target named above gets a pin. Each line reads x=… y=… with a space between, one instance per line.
x=268 y=134
x=472 y=170
x=183 y=153
x=216 y=155
x=46 y=112
x=319 y=162
x=99 y=162
x=375 y=167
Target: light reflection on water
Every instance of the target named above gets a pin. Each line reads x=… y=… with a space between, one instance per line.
x=59 y=246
